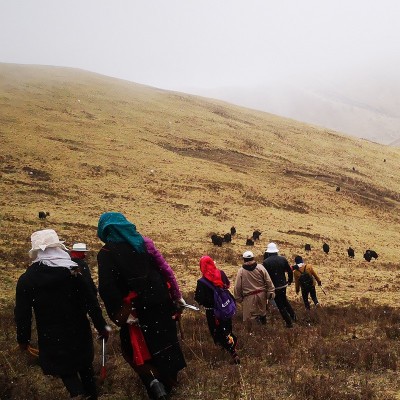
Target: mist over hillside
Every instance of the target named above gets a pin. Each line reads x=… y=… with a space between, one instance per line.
x=362 y=105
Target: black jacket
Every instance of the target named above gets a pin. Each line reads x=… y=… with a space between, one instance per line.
x=85 y=272
x=60 y=302
x=277 y=268
x=122 y=271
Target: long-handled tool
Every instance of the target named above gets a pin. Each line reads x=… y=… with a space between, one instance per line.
x=190 y=307
x=179 y=321
x=177 y=317
x=103 y=371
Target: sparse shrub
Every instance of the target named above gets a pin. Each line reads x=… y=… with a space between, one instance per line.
x=392 y=332
x=322 y=358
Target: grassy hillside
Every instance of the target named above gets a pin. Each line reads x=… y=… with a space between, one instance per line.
x=181 y=167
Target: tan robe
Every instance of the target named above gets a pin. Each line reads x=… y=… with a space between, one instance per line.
x=253 y=288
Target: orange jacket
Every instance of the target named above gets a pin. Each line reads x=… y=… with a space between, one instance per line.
x=310 y=270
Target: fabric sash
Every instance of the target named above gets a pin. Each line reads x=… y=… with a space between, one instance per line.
x=140 y=352
x=255 y=292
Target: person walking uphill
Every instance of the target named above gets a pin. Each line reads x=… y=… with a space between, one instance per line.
x=220 y=328
x=253 y=288
x=60 y=299
x=141 y=295
x=305 y=277
x=277 y=267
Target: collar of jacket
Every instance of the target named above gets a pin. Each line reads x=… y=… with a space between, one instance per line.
x=250 y=265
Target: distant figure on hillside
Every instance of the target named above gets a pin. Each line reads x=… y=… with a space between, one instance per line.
x=61 y=300
x=253 y=288
x=307 y=247
x=141 y=296
x=233 y=231
x=78 y=255
x=220 y=328
x=278 y=267
x=350 y=252
x=325 y=248
x=305 y=277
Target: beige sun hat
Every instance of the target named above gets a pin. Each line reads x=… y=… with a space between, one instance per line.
x=43 y=239
x=79 y=247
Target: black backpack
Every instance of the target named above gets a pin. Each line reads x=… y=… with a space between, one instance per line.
x=306 y=280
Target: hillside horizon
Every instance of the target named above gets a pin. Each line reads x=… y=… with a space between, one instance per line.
x=360 y=104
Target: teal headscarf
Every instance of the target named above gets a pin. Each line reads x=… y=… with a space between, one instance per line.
x=114 y=227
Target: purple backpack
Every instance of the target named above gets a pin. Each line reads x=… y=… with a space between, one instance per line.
x=224 y=303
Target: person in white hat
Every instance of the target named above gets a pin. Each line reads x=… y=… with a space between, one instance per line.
x=61 y=300
x=253 y=288
x=277 y=267
x=78 y=255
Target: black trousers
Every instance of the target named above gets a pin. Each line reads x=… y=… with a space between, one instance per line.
x=284 y=306
x=81 y=382
x=309 y=291
x=221 y=332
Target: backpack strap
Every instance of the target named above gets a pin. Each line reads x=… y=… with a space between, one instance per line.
x=207 y=283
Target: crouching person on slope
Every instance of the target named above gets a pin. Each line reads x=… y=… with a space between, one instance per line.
x=220 y=328
x=141 y=296
x=61 y=299
x=253 y=288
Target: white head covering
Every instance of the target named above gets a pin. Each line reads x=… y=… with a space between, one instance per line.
x=49 y=250
x=54 y=257
x=272 y=248
x=43 y=239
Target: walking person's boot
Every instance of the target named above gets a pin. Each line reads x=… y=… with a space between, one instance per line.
x=157 y=390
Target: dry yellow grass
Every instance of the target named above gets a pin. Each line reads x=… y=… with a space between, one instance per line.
x=181 y=167
x=78 y=144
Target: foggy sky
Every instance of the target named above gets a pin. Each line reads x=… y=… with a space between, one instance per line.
x=187 y=45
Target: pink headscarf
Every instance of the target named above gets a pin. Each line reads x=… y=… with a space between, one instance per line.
x=210 y=271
